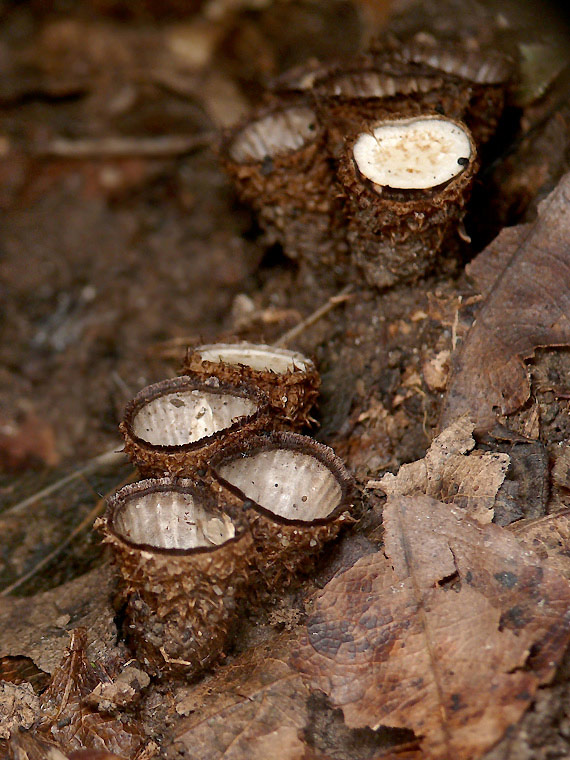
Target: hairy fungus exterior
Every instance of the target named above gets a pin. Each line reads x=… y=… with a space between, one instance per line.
x=279 y=164
x=295 y=494
x=289 y=379
x=407 y=181
x=183 y=567
x=174 y=426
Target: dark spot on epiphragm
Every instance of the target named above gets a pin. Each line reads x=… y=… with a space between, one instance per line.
x=468 y=576
x=463 y=161
x=506 y=579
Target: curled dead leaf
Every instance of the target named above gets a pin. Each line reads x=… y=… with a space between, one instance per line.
x=528 y=306
x=450 y=636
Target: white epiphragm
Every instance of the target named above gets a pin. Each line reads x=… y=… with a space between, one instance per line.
x=288 y=483
x=187 y=416
x=413 y=154
x=171 y=520
x=258 y=357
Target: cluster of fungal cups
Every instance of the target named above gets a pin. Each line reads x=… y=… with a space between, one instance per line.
x=369 y=166
x=234 y=502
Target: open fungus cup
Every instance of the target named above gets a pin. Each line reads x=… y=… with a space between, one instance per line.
x=174 y=426
x=407 y=181
x=294 y=493
x=183 y=565
x=348 y=97
x=289 y=379
x=279 y=164
x=484 y=75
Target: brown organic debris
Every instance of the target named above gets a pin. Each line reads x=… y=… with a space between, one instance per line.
x=452 y=472
x=255 y=708
x=289 y=378
x=527 y=307
x=69 y=721
x=183 y=566
x=391 y=641
x=174 y=426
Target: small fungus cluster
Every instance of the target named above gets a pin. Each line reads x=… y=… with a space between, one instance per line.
x=234 y=501
x=369 y=165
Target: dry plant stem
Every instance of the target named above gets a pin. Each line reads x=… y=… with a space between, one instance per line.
x=294 y=332
x=167 y=145
x=102 y=460
x=85 y=523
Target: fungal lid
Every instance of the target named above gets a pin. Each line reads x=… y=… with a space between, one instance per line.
x=183 y=414
x=413 y=154
x=164 y=515
x=275 y=134
x=258 y=357
x=294 y=480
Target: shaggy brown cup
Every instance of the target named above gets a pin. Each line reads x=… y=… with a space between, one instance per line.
x=294 y=493
x=279 y=165
x=485 y=73
x=174 y=426
x=289 y=379
x=183 y=566
x=407 y=181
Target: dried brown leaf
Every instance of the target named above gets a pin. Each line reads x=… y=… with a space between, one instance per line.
x=549 y=538
x=527 y=307
x=451 y=474
x=255 y=708
x=451 y=636
x=69 y=720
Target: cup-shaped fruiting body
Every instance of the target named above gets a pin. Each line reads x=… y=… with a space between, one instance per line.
x=174 y=426
x=289 y=379
x=279 y=165
x=295 y=494
x=350 y=97
x=407 y=181
x=183 y=566
x=485 y=73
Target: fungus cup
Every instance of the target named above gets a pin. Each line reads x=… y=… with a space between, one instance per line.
x=294 y=493
x=289 y=379
x=279 y=164
x=349 y=97
x=407 y=181
x=174 y=426
x=484 y=74
x=183 y=566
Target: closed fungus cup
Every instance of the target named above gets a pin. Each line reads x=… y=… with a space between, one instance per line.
x=407 y=181
x=295 y=494
x=174 y=426
x=183 y=566
x=279 y=165
x=289 y=379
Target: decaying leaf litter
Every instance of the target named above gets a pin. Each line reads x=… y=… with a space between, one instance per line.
x=380 y=407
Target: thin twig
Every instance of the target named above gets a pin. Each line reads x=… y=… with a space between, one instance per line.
x=152 y=147
x=85 y=523
x=294 y=332
x=107 y=458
